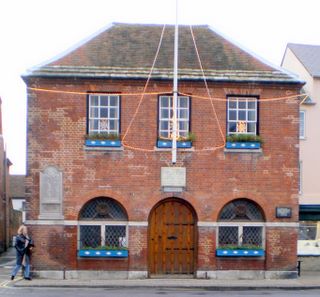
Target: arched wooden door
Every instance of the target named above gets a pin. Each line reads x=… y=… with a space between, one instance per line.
x=172 y=238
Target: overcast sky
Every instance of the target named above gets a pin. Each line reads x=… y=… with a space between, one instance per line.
x=33 y=31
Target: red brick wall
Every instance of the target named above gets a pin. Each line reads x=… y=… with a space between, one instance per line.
x=56 y=129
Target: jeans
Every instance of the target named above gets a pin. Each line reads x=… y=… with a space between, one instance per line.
x=26 y=267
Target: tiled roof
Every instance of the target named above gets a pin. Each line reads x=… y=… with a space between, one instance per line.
x=17 y=186
x=128 y=51
x=309 y=56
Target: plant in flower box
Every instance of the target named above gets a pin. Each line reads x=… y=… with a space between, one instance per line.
x=182 y=141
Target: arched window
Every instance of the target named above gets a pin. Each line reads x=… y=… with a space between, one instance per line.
x=241 y=224
x=102 y=223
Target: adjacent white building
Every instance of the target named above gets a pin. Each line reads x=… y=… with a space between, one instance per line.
x=304 y=60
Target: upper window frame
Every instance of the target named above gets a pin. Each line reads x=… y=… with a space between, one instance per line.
x=109 y=117
x=302 y=119
x=246 y=112
x=168 y=109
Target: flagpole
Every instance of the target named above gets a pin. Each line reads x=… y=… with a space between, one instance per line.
x=175 y=89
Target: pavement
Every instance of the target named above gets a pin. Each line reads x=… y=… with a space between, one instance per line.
x=307 y=280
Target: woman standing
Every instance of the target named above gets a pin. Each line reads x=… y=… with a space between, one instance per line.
x=24 y=245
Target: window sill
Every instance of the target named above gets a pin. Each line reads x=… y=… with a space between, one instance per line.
x=106 y=148
x=259 y=151
x=103 y=253
x=240 y=253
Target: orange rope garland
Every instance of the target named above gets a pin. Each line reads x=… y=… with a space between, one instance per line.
x=261 y=100
x=144 y=93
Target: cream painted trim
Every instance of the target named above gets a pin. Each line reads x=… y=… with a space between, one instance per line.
x=270 y=224
x=145 y=223
x=76 y=223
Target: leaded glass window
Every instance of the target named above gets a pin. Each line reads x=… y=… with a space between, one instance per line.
x=241 y=210
x=103 y=222
x=241 y=224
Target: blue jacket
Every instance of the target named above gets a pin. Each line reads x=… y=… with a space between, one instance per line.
x=21 y=247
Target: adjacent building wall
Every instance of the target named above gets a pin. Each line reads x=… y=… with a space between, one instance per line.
x=309 y=146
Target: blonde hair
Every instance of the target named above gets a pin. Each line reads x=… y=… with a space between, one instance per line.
x=23 y=230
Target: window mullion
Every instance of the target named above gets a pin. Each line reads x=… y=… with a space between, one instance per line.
x=240 y=235
x=103 y=235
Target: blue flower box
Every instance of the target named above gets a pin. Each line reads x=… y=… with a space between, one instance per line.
x=168 y=144
x=103 y=143
x=243 y=145
x=239 y=252
x=103 y=253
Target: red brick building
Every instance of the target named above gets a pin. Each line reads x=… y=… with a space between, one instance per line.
x=104 y=198
x=5 y=202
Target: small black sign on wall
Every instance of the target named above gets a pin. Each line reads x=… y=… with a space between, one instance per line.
x=283 y=212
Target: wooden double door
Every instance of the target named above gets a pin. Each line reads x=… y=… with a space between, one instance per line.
x=172 y=239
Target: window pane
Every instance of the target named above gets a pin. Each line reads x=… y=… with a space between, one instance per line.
x=104 y=112
x=94 y=100
x=232 y=115
x=183 y=101
x=90 y=236
x=252 y=104
x=252 y=236
x=251 y=128
x=232 y=104
x=164 y=125
x=183 y=126
x=113 y=125
x=228 y=236
x=114 y=100
x=113 y=113
x=164 y=114
x=164 y=101
x=242 y=115
x=93 y=125
x=242 y=104
x=164 y=134
x=251 y=115
x=104 y=100
x=183 y=114
x=94 y=112
x=232 y=127
x=115 y=236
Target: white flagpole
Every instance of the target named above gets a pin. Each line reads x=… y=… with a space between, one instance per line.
x=175 y=90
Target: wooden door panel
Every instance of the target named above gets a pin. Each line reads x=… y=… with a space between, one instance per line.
x=172 y=239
